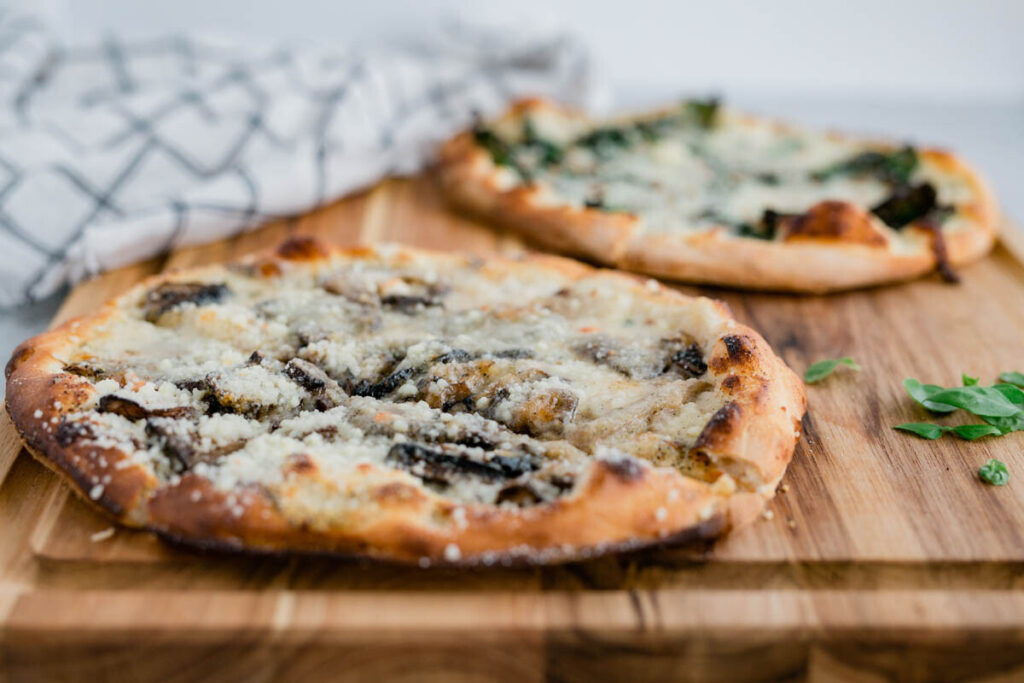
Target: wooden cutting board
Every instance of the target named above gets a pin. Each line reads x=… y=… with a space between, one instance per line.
x=883 y=556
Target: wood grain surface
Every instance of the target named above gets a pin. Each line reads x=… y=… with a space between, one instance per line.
x=882 y=558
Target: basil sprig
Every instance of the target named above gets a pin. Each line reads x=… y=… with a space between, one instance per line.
x=994 y=472
x=823 y=368
x=1001 y=406
x=1016 y=378
x=927 y=430
x=1012 y=423
x=995 y=401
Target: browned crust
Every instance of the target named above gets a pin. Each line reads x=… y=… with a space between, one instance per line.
x=844 y=248
x=620 y=506
x=467 y=176
x=834 y=221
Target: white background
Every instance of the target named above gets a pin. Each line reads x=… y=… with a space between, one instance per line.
x=938 y=72
x=938 y=49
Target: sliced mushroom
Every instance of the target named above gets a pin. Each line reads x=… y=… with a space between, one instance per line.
x=687 y=361
x=441 y=467
x=134 y=411
x=313 y=379
x=170 y=295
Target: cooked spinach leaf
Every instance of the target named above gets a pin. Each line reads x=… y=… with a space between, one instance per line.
x=550 y=153
x=895 y=167
x=703 y=112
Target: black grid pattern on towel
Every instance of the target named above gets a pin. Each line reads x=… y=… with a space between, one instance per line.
x=118 y=150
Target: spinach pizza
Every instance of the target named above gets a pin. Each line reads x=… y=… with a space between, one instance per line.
x=411 y=406
x=701 y=193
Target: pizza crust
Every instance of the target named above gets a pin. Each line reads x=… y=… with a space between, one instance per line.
x=618 y=503
x=839 y=258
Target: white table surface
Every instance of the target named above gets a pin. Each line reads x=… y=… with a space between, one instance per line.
x=990 y=135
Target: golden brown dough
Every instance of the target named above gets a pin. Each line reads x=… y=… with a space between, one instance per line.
x=704 y=194
x=411 y=406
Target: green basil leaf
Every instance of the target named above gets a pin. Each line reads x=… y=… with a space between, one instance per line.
x=922 y=393
x=972 y=432
x=968 y=380
x=1014 y=423
x=823 y=368
x=925 y=430
x=984 y=401
x=1012 y=392
x=994 y=472
x=1012 y=378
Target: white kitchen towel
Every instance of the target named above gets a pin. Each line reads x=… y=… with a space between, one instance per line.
x=116 y=151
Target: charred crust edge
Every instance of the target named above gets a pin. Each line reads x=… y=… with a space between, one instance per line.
x=302 y=248
x=740 y=352
x=720 y=427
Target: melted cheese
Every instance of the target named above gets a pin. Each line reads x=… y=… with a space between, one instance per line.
x=689 y=179
x=462 y=381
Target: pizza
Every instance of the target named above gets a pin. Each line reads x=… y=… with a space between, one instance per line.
x=701 y=193
x=411 y=406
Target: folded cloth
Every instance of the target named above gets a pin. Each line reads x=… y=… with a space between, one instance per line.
x=117 y=151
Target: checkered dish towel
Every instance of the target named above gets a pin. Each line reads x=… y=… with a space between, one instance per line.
x=115 y=152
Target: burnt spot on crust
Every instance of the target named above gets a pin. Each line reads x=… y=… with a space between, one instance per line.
x=302 y=248
x=170 y=295
x=688 y=361
x=719 y=428
x=20 y=354
x=131 y=410
x=441 y=467
x=625 y=469
x=732 y=383
x=833 y=220
x=739 y=354
x=739 y=348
